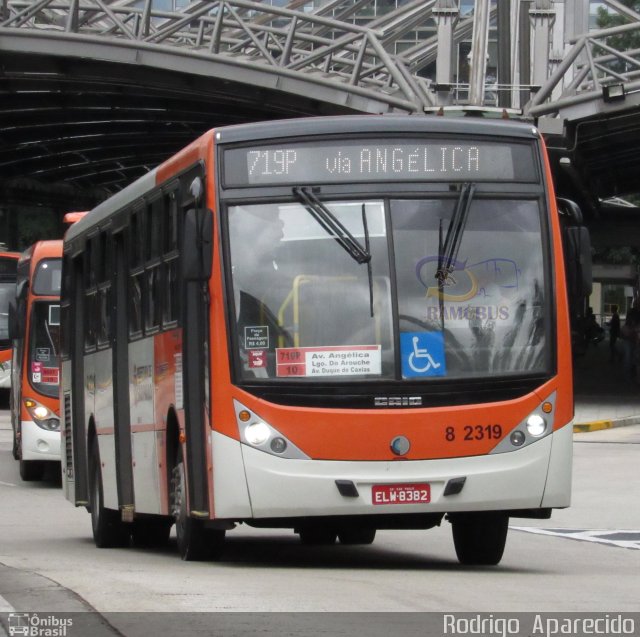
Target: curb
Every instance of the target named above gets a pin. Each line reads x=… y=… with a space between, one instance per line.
x=599 y=425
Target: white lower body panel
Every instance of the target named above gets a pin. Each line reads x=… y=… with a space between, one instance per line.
x=146 y=472
x=539 y=475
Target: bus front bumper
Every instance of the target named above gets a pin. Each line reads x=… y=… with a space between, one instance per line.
x=38 y=443
x=537 y=476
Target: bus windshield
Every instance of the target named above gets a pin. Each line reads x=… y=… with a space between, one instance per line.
x=43 y=347
x=306 y=310
x=47 y=278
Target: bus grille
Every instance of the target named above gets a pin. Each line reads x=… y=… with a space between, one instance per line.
x=68 y=441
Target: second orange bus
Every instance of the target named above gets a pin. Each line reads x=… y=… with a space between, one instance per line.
x=34 y=326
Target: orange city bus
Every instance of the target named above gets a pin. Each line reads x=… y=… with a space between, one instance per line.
x=8 y=269
x=34 y=327
x=332 y=325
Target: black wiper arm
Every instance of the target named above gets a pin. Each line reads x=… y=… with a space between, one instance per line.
x=332 y=225
x=449 y=252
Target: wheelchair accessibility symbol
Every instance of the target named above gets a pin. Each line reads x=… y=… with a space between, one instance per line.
x=422 y=354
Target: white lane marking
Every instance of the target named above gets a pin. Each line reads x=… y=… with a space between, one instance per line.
x=5 y=607
x=626 y=539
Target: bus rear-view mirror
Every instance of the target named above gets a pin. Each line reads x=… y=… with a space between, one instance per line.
x=197 y=245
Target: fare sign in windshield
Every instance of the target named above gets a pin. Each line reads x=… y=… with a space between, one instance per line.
x=348 y=360
x=357 y=161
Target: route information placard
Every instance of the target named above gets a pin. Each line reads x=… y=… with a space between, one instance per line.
x=347 y=360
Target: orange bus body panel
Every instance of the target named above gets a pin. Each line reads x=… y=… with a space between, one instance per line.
x=564 y=378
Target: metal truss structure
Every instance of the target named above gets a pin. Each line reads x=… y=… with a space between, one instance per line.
x=343 y=62
x=96 y=92
x=593 y=71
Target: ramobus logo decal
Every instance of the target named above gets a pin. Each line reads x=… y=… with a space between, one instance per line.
x=468 y=280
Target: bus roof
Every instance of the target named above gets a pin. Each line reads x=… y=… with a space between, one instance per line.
x=362 y=124
x=49 y=249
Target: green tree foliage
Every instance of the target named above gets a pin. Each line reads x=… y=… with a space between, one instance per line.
x=617 y=256
x=607 y=18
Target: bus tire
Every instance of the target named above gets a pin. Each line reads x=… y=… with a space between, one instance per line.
x=195 y=541
x=357 y=535
x=31 y=470
x=15 y=451
x=108 y=529
x=480 y=538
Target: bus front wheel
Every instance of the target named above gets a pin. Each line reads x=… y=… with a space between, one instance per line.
x=108 y=529
x=479 y=538
x=15 y=450
x=195 y=541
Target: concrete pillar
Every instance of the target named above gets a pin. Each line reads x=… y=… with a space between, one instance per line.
x=445 y=13
x=478 y=57
x=576 y=19
x=524 y=50
x=542 y=17
x=504 y=52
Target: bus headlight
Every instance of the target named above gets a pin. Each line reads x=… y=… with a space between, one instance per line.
x=536 y=425
x=532 y=429
x=257 y=433
x=41 y=415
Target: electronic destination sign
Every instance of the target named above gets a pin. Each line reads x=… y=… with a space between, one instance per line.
x=372 y=160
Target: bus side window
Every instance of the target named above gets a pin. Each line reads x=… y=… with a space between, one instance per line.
x=90 y=295
x=170 y=305
x=104 y=290
x=153 y=270
x=136 y=274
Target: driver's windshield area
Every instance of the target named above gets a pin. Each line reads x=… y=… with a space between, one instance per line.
x=44 y=361
x=306 y=310
x=304 y=307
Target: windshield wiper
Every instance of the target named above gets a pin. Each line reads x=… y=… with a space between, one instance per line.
x=332 y=225
x=448 y=249
x=367 y=245
x=448 y=253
